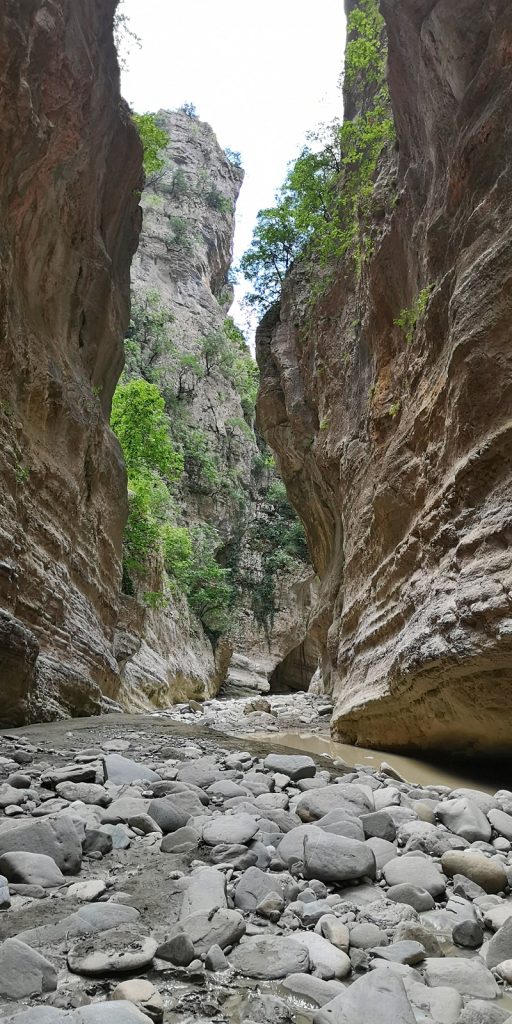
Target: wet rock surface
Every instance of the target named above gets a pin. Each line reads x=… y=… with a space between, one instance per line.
x=157 y=873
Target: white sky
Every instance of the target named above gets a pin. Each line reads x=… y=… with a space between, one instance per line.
x=262 y=74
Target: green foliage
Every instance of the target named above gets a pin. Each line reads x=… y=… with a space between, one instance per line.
x=365 y=57
x=209 y=589
x=177 y=546
x=139 y=421
x=148 y=506
x=275 y=245
x=408 y=318
x=179 y=186
x=217 y=201
x=394 y=409
x=322 y=206
x=148 y=336
x=243 y=370
x=154 y=140
x=278 y=535
x=179 y=235
x=201 y=465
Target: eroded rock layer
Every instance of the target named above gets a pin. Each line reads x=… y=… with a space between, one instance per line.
x=70 y=167
x=396 y=450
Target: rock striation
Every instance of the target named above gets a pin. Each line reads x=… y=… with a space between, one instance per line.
x=395 y=447
x=71 y=172
x=183 y=268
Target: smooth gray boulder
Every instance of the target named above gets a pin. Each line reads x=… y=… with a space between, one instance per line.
x=325 y=960
x=89 y=920
x=122 y=771
x=181 y=841
x=312 y=990
x=269 y=957
x=31 y=869
x=230 y=828
x=217 y=928
x=379 y=825
x=116 y=951
x=500 y=946
x=488 y=872
x=318 y=802
x=464 y=817
x=342 y=823
x=325 y=856
x=469 y=977
x=36 y=1015
x=502 y=823
x=107 y=1013
x=57 y=838
x=253 y=886
x=203 y=890
x=87 y=792
x=202 y=772
x=413 y=895
x=24 y=972
x=167 y=815
x=416 y=871
x=296 y=766
x=480 y=1011
x=377 y=998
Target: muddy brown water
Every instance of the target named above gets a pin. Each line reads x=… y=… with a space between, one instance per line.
x=472 y=773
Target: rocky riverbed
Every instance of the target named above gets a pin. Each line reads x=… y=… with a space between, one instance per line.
x=154 y=869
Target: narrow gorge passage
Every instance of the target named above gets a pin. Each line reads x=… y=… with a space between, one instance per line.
x=255 y=558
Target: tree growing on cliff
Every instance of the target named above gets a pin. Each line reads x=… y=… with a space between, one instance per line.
x=154 y=140
x=321 y=210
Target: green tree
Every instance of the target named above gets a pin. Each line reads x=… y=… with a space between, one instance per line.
x=322 y=209
x=209 y=588
x=139 y=421
x=276 y=243
x=154 y=140
x=148 y=337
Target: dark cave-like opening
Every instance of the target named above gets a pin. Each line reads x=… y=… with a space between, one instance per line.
x=294 y=672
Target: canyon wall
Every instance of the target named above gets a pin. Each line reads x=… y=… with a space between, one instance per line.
x=394 y=441
x=182 y=293
x=71 y=174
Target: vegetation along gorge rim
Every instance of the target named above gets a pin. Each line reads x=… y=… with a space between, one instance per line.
x=213 y=567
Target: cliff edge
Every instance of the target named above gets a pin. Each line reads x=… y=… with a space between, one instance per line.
x=71 y=171
x=388 y=400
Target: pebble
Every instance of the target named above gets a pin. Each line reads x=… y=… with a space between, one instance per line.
x=269 y=869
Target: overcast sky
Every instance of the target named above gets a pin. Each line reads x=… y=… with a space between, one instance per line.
x=262 y=74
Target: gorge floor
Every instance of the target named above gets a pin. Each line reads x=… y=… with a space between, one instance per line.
x=243 y=884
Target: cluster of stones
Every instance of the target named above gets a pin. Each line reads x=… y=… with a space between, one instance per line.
x=358 y=895
x=239 y=715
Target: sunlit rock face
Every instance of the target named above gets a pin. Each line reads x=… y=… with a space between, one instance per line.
x=184 y=259
x=70 y=173
x=395 y=453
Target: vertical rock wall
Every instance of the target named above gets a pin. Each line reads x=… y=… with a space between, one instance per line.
x=395 y=449
x=70 y=178
x=184 y=262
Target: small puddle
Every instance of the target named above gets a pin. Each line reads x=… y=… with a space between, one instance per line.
x=420 y=772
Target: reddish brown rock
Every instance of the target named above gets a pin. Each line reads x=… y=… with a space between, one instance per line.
x=70 y=171
x=397 y=454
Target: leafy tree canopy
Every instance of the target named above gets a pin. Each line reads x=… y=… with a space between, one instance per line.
x=154 y=140
x=140 y=423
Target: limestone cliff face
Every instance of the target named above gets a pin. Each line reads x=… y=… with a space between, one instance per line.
x=395 y=450
x=70 y=171
x=183 y=267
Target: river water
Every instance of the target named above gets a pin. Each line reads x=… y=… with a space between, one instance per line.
x=424 y=773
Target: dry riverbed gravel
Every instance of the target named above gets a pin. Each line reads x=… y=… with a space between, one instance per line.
x=153 y=870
